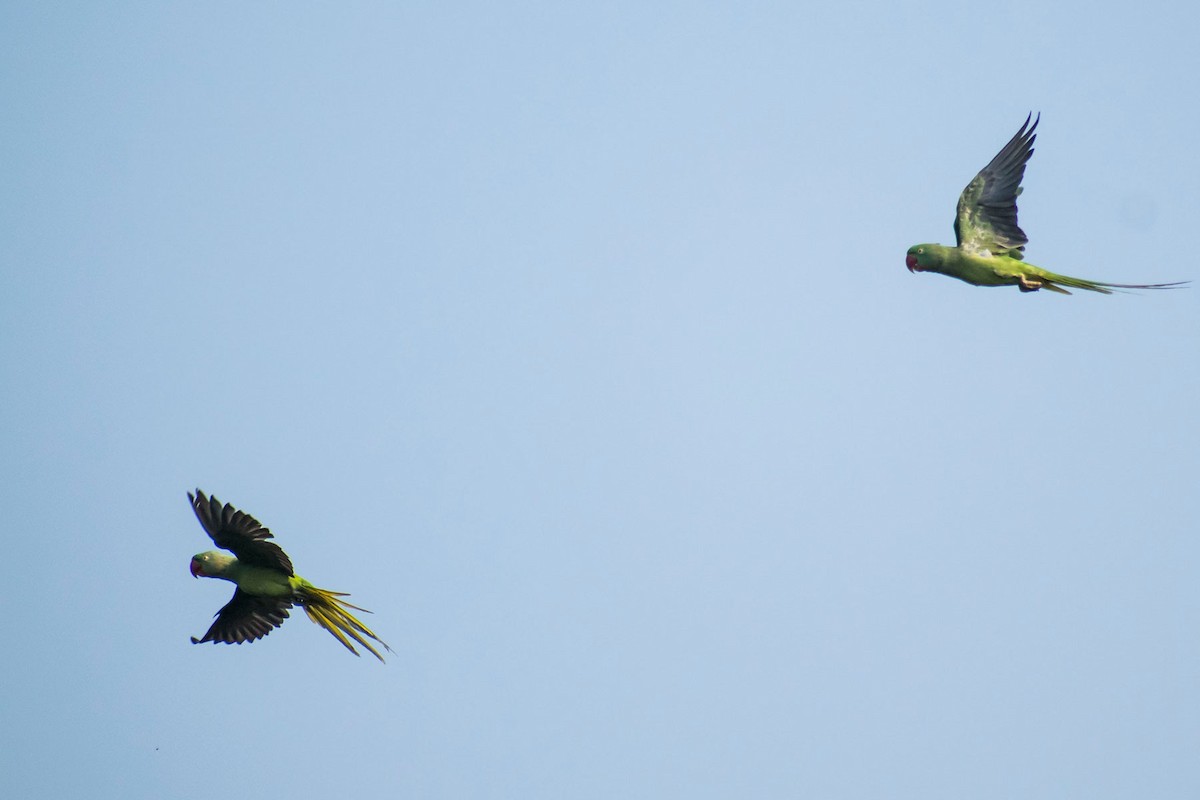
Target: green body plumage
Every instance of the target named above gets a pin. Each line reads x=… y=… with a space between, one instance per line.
x=266 y=584
x=1003 y=270
x=991 y=245
x=258 y=581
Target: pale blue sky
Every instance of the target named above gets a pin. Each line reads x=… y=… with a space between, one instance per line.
x=576 y=342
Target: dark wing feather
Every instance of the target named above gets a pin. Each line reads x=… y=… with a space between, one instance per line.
x=239 y=533
x=987 y=208
x=245 y=618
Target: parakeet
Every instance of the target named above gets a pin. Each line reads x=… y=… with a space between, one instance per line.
x=991 y=245
x=266 y=584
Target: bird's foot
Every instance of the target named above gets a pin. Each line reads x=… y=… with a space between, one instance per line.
x=1027 y=284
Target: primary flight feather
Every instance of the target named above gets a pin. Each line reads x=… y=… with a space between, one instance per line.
x=267 y=586
x=991 y=245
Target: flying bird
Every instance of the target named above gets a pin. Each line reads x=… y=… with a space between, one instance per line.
x=991 y=246
x=267 y=586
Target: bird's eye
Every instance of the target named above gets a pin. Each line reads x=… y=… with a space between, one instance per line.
x=920 y=249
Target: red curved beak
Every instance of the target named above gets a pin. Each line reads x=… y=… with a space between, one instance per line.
x=911 y=262
x=194 y=567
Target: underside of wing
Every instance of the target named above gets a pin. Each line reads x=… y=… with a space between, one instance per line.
x=239 y=533
x=987 y=208
x=246 y=618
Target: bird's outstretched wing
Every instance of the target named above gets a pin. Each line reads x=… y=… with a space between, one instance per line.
x=240 y=534
x=245 y=618
x=987 y=208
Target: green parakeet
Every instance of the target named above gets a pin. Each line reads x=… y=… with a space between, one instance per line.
x=991 y=245
x=266 y=584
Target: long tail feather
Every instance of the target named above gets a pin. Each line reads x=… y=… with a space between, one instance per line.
x=328 y=610
x=1100 y=286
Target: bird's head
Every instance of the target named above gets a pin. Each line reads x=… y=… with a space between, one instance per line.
x=918 y=258
x=210 y=565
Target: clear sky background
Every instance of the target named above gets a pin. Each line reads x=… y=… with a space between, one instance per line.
x=576 y=343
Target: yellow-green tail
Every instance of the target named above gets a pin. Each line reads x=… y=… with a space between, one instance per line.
x=1054 y=282
x=328 y=610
